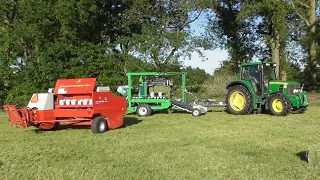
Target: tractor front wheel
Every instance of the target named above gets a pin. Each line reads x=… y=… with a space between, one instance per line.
x=239 y=101
x=279 y=105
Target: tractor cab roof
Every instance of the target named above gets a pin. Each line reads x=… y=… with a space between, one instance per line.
x=257 y=63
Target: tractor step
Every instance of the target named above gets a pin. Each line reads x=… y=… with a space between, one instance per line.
x=258 y=102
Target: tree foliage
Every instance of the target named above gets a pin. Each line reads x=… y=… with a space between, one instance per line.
x=238 y=37
x=267 y=29
x=42 y=41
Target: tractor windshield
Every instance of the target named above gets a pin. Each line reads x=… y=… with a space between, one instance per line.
x=269 y=72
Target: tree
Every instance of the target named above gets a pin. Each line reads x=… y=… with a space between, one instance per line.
x=195 y=78
x=238 y=37
x=305 y=10
x=273 y=14
x=42 y=41
x=165 y=31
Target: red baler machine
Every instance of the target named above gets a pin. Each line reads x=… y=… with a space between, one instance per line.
x=71 y=102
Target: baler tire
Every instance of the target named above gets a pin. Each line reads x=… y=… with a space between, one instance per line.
x=285 y=104
x=56 y=126
x=99 y=125
x=248 y=108
x=49 y=126
x=144 y=107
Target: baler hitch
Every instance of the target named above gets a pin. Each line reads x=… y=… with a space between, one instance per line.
x=19 y=117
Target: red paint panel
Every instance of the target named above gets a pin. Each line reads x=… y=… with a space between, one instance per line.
x=114 y=120
x=73 y=113
x=46 y=115
x=113 y=108
x=107 y=102
x=74 y=86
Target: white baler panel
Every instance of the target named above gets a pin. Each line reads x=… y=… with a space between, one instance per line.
x=45 y=101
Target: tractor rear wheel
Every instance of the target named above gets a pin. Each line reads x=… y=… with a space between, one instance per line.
x=99 y=125
x=144 y=110
x=279 y=105
x=239 y=100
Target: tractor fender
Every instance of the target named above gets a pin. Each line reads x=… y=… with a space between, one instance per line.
x=246 y=84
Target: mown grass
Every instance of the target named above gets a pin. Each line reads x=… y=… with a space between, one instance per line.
x=167 y=146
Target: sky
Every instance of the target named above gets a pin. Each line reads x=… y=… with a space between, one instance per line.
x=214 y=56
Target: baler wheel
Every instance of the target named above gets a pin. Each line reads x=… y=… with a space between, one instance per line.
x=49 y=126
x=99 y=125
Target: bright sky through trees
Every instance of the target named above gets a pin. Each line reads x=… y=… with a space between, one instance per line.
x=213 y=56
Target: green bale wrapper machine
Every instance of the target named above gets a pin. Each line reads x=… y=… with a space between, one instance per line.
x=155 y=94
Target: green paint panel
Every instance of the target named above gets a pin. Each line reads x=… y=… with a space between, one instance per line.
x=151 y=101
x=162 y=107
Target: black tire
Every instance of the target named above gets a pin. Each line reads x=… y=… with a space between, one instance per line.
x=231 y=107
x=300 y=110
x=44 y=126
x=144 y=110
x=99 y=125
x=196 y=112
x=279 y=105
x=56 y=126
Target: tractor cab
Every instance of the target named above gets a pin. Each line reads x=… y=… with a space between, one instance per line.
x=259 y=74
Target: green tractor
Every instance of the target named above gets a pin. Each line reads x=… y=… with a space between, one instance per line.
x=257 y=89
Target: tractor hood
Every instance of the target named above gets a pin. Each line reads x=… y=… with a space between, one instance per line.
x=285 y=83
x=287 y=87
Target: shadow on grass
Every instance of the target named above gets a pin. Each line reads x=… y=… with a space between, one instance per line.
x=130 y=121
x=218 y=109
x=303 y=155
x=131 y=113
x=127 y=121
x=1 y=163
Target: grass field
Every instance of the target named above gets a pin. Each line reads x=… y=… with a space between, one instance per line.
x=176 y=146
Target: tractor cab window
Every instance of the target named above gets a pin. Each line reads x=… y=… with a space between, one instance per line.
x=269 y=73
x=252 y=74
